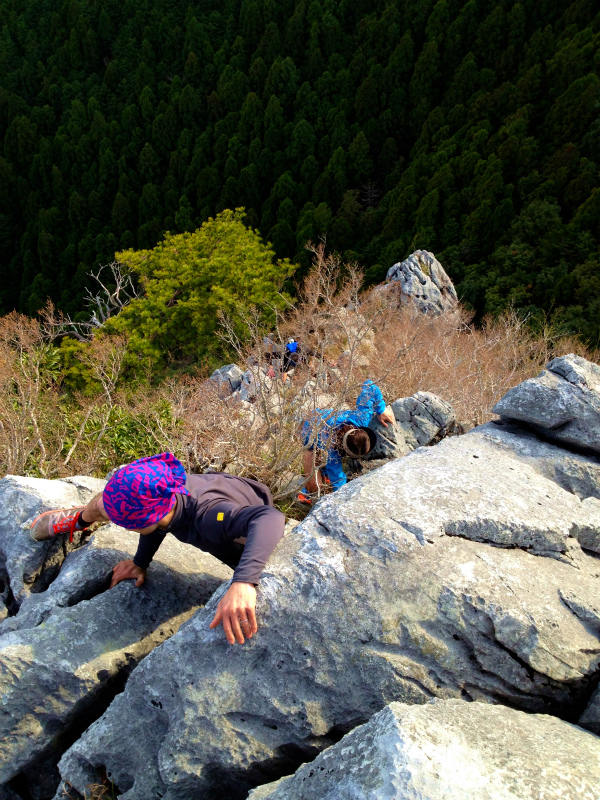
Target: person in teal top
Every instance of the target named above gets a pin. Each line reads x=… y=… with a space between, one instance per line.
x=328 y=435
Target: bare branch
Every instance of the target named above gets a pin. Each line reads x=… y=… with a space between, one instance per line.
x=105 y=303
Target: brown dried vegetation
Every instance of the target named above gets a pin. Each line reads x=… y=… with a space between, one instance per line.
x=345 y=337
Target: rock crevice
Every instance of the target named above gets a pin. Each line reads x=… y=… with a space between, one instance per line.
x=459 y=581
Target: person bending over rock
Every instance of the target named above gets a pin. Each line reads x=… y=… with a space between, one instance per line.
x=328 y=436
x=232 y=518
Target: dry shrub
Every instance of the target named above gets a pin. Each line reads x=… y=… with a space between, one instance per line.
x=345 y=337
x=31 y=425
x=103 y=790
x=349 y=337
x=263 y=439
x=470 y=367
x=103 y=358
x=42 y=430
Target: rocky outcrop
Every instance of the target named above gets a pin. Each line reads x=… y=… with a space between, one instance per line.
x=69 y=648
x=423 y=281
x=229 y=377
x=450 y=573
x=420 y=420
x=27 y=566
x=467 y=571
x=562 y=403
x=576 y=473
x=447 y=749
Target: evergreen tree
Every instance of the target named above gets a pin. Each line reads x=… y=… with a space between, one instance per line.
x=189 y=278
x=119 y=122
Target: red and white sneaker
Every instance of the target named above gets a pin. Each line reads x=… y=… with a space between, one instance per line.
x=53 y=523
x=304 y=499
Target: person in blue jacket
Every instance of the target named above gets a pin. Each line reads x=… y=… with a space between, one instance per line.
x=329 y=435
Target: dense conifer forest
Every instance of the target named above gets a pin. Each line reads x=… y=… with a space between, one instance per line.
x=471 y=129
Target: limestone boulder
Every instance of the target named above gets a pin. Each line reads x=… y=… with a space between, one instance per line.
x=27 y=566
x=449 y=748
x=450 y=573
x=420 y=420
x=576 y=473
x=391 y=442
x=562 y=403
x=255 y=384
x=70 y=648
x=228 y=376
x=423 y=281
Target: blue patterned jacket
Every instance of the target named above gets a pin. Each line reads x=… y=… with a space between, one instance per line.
x=317 y=431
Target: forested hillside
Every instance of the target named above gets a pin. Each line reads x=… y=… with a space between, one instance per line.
x=470 y=129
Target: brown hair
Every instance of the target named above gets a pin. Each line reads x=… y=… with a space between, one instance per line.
x=358 y=440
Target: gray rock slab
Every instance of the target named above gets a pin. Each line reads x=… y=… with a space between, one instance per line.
x=562 y=402
x=586 y=530
x=578 y=474
x=426 y=578
x=423 y=417
x=466 y=486
x=423 y=281
x=450 y=748
x=391 y=442
x=420 y=419
x=67 y=644
x=86 y=572
x=229 y=376
x=29 y=565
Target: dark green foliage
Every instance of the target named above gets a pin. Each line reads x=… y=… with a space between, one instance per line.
x=468 y=128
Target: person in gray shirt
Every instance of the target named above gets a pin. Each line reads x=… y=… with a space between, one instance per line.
x=232 y=518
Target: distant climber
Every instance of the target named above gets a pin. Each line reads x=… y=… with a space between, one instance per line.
x=232 y=518
x=328 y=435
x=293 y=355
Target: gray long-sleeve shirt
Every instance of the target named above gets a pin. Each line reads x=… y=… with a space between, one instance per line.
x=219 y=510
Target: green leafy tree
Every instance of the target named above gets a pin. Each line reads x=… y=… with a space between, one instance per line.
x=121 y=121
x=189 y=278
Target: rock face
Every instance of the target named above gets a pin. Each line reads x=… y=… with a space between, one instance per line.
x=69 y=648
x=450 y=748
x=451 y=573
x=25 y=565
x=420 y=419
x=562 y=403
x=230 y=376
x=467 y=571
x=575 y=473
x=424 y=282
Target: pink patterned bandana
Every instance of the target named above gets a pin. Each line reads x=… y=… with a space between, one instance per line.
x=143 y=492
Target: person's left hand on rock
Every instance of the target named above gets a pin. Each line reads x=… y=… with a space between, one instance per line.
x=385 y=417
x=236 y=612
x=127 y=569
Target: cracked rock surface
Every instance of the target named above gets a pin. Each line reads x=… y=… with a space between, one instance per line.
x=562 y=402
x=61 y=654
x=451 y=573
x=482 y=752
x=576 y=473
x=420 y=419
x=30 y=566
x=424 y=281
